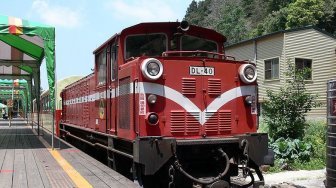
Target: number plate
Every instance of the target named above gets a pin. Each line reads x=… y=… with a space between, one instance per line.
x=209 y=71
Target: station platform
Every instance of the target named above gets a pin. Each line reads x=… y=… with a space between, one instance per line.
x=27 y=160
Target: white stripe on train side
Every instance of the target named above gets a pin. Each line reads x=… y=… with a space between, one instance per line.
x=173 y=95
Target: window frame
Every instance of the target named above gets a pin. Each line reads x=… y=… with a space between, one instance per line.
x=114 y=64
x=104 y=53
x=272 y=78
x=139 y=34
x=311 y=68
x=217 y=50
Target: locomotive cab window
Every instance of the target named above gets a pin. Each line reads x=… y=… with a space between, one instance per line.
x=145 y=45
x=192 y=43
x=101 y=67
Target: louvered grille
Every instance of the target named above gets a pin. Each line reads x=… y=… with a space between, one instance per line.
x=188 y=86
x=124 y=103
x=212 y=122
x=218 y=122
x=184 y=123
x=214 y=86
x=193 y=125
x=225 y=121
x=177 y=122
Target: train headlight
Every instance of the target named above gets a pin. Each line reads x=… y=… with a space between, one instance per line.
x=152 y=68
x=152 y=118
x=151 y=99
x=247 y=73
x=248 y=100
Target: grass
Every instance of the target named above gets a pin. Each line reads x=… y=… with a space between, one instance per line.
x=313 y=164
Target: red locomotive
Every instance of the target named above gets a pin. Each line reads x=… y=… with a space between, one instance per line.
x=169 y=107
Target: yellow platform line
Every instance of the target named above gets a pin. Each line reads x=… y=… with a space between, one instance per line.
x=75 y=176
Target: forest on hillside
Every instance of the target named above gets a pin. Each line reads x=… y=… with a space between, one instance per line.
x=244 y=19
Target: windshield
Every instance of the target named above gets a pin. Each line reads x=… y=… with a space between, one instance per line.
x=191 y=43
x=145 y=45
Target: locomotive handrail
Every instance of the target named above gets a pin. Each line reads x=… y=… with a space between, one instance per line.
x=165 y=54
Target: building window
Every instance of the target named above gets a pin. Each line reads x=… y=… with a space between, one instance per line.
x=272 y=69
x=301 y=64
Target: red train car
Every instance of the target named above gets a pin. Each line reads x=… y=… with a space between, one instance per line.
x=46 y=115
x=169 y=107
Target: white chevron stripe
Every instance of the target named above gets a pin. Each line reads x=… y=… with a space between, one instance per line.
x=189 y=106
x=169 y=93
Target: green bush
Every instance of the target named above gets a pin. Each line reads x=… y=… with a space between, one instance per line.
x=285 y=111
x=308 y=154
x=288 y=150
x=263 y=127
x=315 y=133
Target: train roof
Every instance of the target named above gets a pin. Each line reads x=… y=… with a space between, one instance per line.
x=61 y=84
x=151 y=27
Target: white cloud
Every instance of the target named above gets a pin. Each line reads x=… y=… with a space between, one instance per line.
x=142 y=10
x=56 y=15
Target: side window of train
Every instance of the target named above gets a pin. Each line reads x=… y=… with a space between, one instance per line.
x=101 y=67
x=114 y=63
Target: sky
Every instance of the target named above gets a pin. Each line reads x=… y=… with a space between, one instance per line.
x=83 y=25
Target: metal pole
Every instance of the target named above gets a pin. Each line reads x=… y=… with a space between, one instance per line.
x=38 y=102
x=10 y=111
x=55 y=102
x=31 y=102
x=18 y=110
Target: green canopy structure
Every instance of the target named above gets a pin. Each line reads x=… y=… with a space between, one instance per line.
x=35 y=41
x=23 y=46
x=22 y=91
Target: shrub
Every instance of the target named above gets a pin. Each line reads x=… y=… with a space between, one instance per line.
x=315 y=133
x=285 y=111
x=309 y=154
x=288 y=150
x=263 y=127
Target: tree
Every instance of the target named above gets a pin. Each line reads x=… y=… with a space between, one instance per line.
x=254 y=11
x=191 y=14
x=242 y=19
x=285 y=111
x=197 y=12
x=328 y=21
x=304 y=12
x=275 y=5
x=276 y=21
x=228 y=18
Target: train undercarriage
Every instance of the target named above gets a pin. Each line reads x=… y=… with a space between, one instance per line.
x=167 y=162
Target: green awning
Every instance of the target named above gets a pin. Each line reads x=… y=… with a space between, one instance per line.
x=23 y=45
x=15 y=31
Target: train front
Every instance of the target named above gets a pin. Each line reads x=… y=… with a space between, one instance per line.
x=196 y=110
